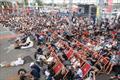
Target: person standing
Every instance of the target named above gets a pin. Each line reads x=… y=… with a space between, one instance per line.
x=35 y=71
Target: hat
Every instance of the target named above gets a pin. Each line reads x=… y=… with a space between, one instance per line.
x=31 y=64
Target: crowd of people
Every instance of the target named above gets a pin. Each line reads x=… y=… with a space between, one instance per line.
x=67 y=48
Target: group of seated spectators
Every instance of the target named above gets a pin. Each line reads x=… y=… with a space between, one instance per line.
x=75 y=48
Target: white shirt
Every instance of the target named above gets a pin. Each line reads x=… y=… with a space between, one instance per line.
x=28 y=41
x=41 y=57
x=109 y=45
x=47 y=73
x=96 y=48
x=79 y=72
x=17 y=62
x=50 y=59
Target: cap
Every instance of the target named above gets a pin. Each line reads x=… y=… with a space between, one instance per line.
x=31 y=64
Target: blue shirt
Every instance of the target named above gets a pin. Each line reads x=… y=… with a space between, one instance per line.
x=36 y=68
x=35 y=73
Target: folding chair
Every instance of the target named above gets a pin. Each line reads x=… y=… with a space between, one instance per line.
x=69 y=53
x=65 y=74
x=113 y=34
x=86 y=48
x=105 y=62
x=80 y=52
x=57 y=68
x=96 y=55
x=62 y=75
x=55 y=56
x=79 y=44
x=85 y=69
x=90 y=41
x=82 y=62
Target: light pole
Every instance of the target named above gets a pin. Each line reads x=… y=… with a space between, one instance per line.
x=100 y=4
x=70 y=6
x=52 y=4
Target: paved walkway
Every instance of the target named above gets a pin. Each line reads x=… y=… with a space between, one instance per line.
x=5 y=33
x=6 y=39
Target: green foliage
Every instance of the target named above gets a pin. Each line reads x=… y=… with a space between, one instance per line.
x=5 y=4
x=26 y=2
x=40 y=3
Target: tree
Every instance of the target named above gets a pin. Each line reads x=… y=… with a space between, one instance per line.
x=40 y=3
x=26 y=2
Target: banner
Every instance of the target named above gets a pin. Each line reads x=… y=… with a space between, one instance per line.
x=109 y=8
x=110 y=2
